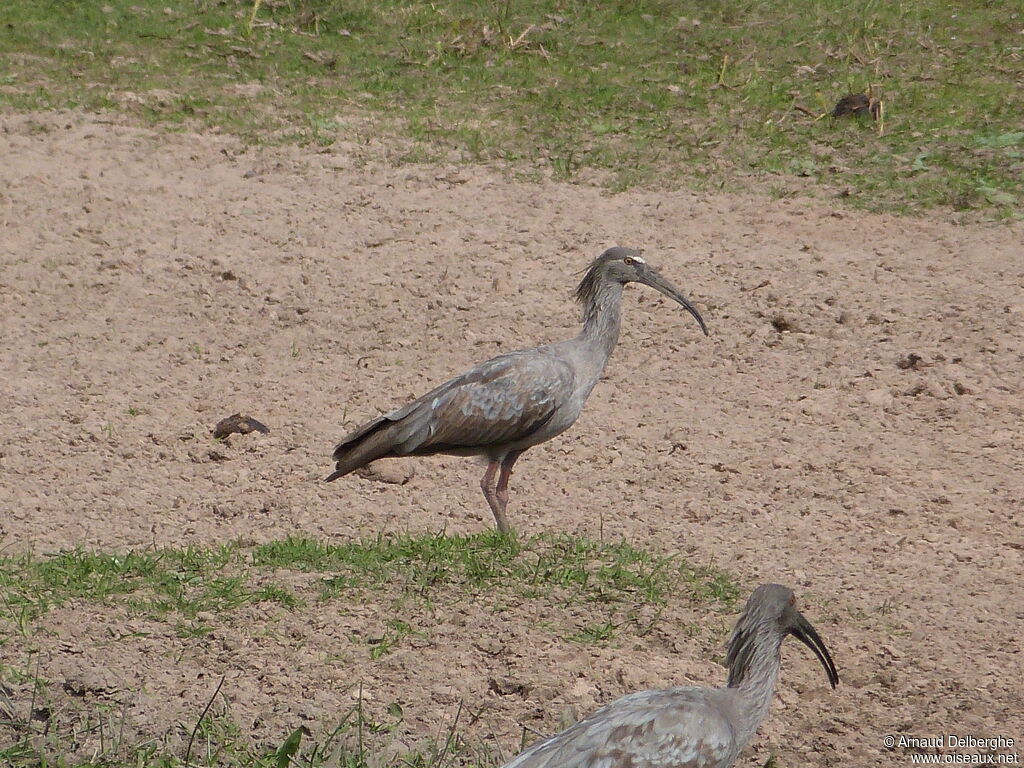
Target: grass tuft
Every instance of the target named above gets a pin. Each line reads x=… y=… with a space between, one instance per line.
x=480 y=562
x=189 y=586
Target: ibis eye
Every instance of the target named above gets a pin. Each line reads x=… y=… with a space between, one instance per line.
x=628 y=260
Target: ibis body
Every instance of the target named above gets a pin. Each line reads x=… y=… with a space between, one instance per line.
x=517 y=400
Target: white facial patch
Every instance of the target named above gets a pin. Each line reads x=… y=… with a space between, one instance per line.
x=639 y=260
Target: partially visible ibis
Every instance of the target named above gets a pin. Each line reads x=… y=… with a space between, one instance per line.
x=691 y=727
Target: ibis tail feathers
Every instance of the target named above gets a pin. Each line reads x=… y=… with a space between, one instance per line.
x=371 y=442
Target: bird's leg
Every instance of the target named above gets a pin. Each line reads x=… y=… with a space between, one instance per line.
x=501 y=491
x=487 y=486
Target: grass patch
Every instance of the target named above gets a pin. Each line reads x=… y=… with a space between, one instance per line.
x=184 y=583
x=651 y=92
x=482 y=563
x=590 y=593
x=191 y=585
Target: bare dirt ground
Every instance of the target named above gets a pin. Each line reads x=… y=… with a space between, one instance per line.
x=852 y=427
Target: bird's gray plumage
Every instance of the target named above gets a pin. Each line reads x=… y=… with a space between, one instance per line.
x=500 y=402
x=690 y=727
x=514 y=401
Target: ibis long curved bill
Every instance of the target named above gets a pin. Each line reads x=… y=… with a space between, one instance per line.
x=650 y=276
x=805 y=633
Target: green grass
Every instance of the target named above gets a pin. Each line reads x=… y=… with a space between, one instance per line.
x=182 y=583
x=188 y=586
x=649 y=92
x=611 y=589
x=603 y=572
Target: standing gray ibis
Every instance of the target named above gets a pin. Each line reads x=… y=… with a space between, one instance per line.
x=691 y=727
x=514 y=401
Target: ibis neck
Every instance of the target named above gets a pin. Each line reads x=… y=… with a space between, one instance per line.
x=756 y=684
x=601 y=319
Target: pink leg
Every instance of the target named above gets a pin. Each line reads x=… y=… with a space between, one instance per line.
x=493 y=496
x=501 y=492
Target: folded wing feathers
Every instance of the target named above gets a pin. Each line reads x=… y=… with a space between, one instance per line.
x=500 y=401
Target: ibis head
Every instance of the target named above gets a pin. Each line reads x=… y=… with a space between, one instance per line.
x=625 y=265
x=771 y=611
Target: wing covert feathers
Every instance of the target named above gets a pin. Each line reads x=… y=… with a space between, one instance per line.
x=501 y=401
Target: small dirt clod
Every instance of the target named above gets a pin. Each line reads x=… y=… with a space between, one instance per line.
x=911 y=362
x=237 y=423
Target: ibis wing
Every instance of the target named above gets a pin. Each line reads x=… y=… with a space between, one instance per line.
x=678 y=727
x=503 y=400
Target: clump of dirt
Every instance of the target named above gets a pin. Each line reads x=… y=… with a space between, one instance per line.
x=237 y=424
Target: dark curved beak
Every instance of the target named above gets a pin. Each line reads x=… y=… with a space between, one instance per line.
x=805 y=633
x=661 y=285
